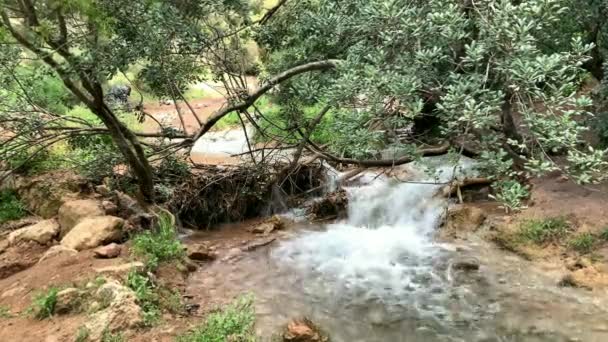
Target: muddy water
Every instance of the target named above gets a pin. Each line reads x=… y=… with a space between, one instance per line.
x=381 y=276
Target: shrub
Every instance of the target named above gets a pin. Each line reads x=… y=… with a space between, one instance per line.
x=160 y=245
x=545 y=230
x=11 y=208
x=147 y=297
x=582 y=243
x=235 y=321
x=107 y=336
x=44 y=303
x=511 y=195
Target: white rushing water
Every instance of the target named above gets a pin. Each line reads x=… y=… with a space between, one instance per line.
x=384 y=250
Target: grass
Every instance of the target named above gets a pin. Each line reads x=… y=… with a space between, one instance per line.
x=583 y=243
x=43 y=305
x=147 y=297
x=604 y=234
x=11 y=208
x=5 y=312
x=110 y=337
x=82 y=335
x=235 y=323
x=161 y=245
x=546 y=230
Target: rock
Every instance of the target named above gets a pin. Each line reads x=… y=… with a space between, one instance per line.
x=302 y=331
x=333 y=205
x=103 y=190
x=42 y=232
x=94 y=231
x=68 y=300
x=268 y=226
x=57 y=251
x=189 y=265
x=258 y=243
x=14 y=225
x=121 y=270
x=128 y=205
x=121 y=314
x=108 y=251
x=200 y=252
x=462 y=218
x=466 y=264
x=233 y=254
x=73 y=212
x=109 y=208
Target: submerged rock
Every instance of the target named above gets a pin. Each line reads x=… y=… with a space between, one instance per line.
x=303 y=331
x=466 y=264
x=201 y=252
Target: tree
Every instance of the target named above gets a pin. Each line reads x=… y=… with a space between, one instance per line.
x=87 y=43
x=476 y=74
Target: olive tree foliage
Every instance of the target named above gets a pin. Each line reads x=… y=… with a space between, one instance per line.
x=476 y=74
x=87 y=43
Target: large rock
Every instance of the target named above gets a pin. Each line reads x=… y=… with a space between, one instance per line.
x=73 y=212
x=58 y=251
x=68 y=300
x=122 y=313
x=42 y=232
x=94 y=231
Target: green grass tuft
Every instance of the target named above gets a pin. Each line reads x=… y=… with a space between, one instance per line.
x=546 y=230
x=234 y=323
x=582 y=243
x=110 y=337
x=82 y=335
x=43 y=305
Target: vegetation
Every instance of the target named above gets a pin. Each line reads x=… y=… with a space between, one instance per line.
x=11 y=208
x=159 y=245
x=111 y=337
x=5 y=312
x=583 y=242
x=43 y=305
x=82 y=335
x=147 y=297
x=234 y=322
x=546 y=230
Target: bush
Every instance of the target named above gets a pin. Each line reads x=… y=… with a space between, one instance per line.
x=11 y=208
x=161 y=245
x=511 y=195
x=545 y=230
x=44 y=303
x=235 y=322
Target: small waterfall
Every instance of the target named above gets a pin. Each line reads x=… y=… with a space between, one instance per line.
x=384 y=251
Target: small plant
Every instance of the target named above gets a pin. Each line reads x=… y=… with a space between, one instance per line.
x=5 y=312
x=604 y=234
x=107 y=336
x=82 y=334
x=44 y=303
x=147 y=297
x=161 y=245
x=545 y=230
x=511 y=195
x=11 y=207
x=583 y=242
x=235 y=322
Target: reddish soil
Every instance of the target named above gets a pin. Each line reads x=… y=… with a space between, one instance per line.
x=167 y=114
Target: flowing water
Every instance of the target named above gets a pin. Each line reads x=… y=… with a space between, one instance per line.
x=380 y=275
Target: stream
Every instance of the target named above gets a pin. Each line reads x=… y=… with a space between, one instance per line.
x=380 y=275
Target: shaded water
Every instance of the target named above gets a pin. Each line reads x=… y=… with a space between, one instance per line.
x=380 y=276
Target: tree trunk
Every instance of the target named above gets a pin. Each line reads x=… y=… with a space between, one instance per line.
x=131 y=149
x=508 y=124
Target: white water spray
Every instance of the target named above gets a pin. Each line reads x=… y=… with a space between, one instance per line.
x=384 y=250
